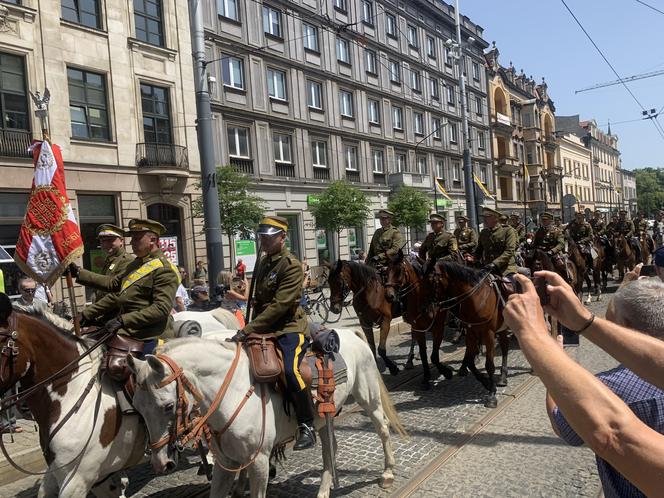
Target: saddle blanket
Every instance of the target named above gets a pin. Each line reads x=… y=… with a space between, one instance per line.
x=340 y=369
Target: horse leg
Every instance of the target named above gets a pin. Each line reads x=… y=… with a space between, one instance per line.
x=411 y=353
x=114 y=486
x=438 y=332
x=589 y=284
x=222 y=482
x=368 y=333
x=490 y=367
x=504 y=350
x=48 y=487
x=421 y=338
x=326 y=478
x=258 y=476
x=382 y=347
x=75 y=485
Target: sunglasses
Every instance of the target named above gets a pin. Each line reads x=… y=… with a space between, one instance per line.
x=28 y=291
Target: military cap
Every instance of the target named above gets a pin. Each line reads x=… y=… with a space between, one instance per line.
x=272 y=225
x=546 y=216
x=597 y=211
x=436 y=217
x=557 y=218
x=385 y=212
x=462 y=218
x=487 y=211
x=146 y=225
x=503 y=218
x=515 y=215
x=108 y=230
x=622 y=211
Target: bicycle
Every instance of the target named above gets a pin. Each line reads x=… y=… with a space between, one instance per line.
x=315 y=302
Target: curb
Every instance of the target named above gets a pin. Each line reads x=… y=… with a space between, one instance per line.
x=30 y=459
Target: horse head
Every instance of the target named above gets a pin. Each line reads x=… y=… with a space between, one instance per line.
x=339 y=281
x=395 y=276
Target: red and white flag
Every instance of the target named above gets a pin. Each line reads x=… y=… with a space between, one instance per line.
x=50 y=238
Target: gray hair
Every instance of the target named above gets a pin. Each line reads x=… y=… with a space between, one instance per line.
x=638 y=305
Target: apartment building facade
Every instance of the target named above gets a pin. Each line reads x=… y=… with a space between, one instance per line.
x=576 y=179
x=311 y=91
x=122 y=109
x=628 y=192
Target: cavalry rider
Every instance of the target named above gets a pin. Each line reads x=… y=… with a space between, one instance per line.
x=276 y=301
x=496 y=245
x=641 y=225
x=465 y=236
x=582 y=233
x=515 y=222
x=611 y=228
x=142 y=297
x=438 y=244
x=111 y=241
x=625 y=227
x=597 y=223
x=550 y=239
x=386 y=241
x=558 y=223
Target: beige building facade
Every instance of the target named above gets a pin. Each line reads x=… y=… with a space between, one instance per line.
x=122 y=109
x=576 y=177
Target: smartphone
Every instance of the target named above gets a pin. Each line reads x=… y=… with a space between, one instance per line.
x=648 y=271
x=540 y=287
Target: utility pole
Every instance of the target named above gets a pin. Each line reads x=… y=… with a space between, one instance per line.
x=212 y=219
x=471 y=208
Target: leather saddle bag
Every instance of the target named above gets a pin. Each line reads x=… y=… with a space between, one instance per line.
x=115 y=360
x=264 y=357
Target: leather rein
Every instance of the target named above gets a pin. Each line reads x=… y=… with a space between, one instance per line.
x=190 y=425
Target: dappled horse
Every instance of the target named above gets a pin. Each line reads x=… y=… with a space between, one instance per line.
x=582 y=271
x=369 y=302
x=625 y=257
x=82 y=432
x=478 y=307
x=415 y=291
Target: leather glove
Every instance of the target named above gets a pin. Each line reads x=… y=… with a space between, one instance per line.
x=240 y=336
x=83 y=321
x=114 y=324
x=490 y=268
x=74 y=270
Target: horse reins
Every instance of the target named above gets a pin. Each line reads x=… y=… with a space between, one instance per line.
x=190 y=425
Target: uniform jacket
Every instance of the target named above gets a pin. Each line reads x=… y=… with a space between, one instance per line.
x=277 y=296
x=550 y=239
x=438 y=246
x=581 y=233
x=115 y=264
x=143 y=296
x=625 y=227
x=497 y=246
x=598 y=226
x=520 y=232
x=385 y=243
x=610 y=229
x=466 y=239
x=642 y=225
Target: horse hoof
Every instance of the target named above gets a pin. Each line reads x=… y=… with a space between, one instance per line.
x=273 y=471
x=447 y=372
x=501 y=382
x=394 y=370
x=492 y=402
x=463 y=372
x=409 y=365
x=386 y=481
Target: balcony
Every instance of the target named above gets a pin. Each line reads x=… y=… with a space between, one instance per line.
x=353 y=176
x=418 y=180
x=162 y=159
x=507 y=164
x=554 y=172
x=242 y=165
x=502 y=123
x=15 y=143
x=321 y=173
x=530 y=134
x=286 y=170
x=379 y=178
x=550 y=141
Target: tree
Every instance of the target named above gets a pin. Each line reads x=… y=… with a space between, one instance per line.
x=240 y=210
x=410 y=207
x=650 y=189
x=340 y=206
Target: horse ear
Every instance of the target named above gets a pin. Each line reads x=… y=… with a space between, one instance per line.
x=400 y=256
x=156 y=365
x=134 y=364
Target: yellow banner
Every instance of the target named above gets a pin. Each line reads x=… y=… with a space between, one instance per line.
x=482 y=187
x=442 y=191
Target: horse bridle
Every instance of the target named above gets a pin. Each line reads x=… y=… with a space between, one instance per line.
x=9 y=350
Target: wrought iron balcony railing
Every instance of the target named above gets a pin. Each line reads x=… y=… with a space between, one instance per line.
x=15 y=143
x=155 y=155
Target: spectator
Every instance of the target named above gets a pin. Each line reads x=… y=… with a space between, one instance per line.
x=200 y=299
x=415 y=251
x=230 y=298
x=361 y=256
x=184 y=276
x=637 y=305
x=306 y=269
x=200 y=273
x=240 y=269
x=27 y=287
x=658 y=261
x=181 y=299
x=597 y=415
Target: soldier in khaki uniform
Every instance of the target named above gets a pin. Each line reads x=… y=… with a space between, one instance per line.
x=626 y=228
x=438 y=244
x=111 y=241
x=466 y=237
x=611 y=227
x=641 y=226
x=582 y=233
x=496 y=245
x=386 y=241
x=597 y=224
x=519 y=227
x=276 y=309
x=142 y=297
x=550 y=239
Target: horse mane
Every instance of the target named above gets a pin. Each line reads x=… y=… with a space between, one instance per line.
x=460 y=272
x=43 y=319
x=362 y=272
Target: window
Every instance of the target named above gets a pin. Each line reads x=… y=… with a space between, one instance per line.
x=272 y=21
x=418 y=123
x=476 y=71
x=232 y=71
x=92 y=210
x=314 y=94
x=276 y=84
x=421 y=165
x=451 y=97
x=343 y=51
x=371 y=61
x=483 y=174
x=440 y=170
x=282 y=148
x=412 y=36
x=13 y=95
x=238 y=141
x=456 y=172
x=346 y=103
x=350 y=157
x=448 y=56
x=400 y=163
x=395 y=72
x=340 y=5
x=454 y=133
x=415 y=81
x=367 y=12
x=148 y=19
x=481 y=140
x=431 y=47
x=85 y=12
x=390 y=25
x=397 y=118
x=87 y=105
x=374 y=111
x=228 y=9
x=377 y=161
x=435 y=123
x=310 y=36
x=435 y=89
x=478 y=105
x=156 y=114
x=319 y=154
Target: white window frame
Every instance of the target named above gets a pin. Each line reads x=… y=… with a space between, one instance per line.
x=434 y=88
x=412 y=36
x=395 y=71
x=391 y=25
x=343 y=50
x=272 y=18
x=346 y=103
x=479 y=106
x=341 y=5
x=481 y=140
x=437 y=125
x=370 y=60
x=315 y=95
x=400 y=162
x=454 y=133
x=367 y=12
x=421 y=165
x=282 y=147
x=377 y=161
x=226 y=61
x=222 y=9
x=476 y=71
x=310 y=37
x=415 y=81
x=316 y=155
x=277 y=76
x=236 y=142
x=431 y=47
x=456 y=171
x=397 y=111
x=440 y=168
x=350 y=157
x=483 y=174
x=418 y=123
x=451 y=95
x=373 y=111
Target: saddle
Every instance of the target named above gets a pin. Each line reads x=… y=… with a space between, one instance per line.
x=115 y=357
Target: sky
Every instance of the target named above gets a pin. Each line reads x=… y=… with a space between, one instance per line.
x=541 y=37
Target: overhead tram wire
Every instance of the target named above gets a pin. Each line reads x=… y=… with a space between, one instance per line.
x=650 y=7
x=656 y=123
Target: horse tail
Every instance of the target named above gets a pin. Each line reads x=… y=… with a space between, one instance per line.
x=389 y=410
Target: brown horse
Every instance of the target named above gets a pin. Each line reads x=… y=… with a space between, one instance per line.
x=644 y=243
x=82 y=432
x=415 y=291
x=583 y=272
x=625 y=257
x=603 y=263
x=478 y=307
x=537 y=259
x=369 y=302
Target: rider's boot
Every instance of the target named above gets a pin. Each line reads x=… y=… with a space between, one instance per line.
x=304 y=412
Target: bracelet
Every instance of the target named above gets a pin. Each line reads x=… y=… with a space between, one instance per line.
x=587 y=324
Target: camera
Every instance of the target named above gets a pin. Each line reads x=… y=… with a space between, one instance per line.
x=220 y=291
x=540 y=287
x=648 y=271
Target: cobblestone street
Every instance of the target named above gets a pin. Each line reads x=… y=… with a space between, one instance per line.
x=512 y=452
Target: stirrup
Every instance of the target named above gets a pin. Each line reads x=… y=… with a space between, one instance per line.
x=306 y=438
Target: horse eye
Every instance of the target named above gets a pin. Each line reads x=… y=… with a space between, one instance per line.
x=169 y=407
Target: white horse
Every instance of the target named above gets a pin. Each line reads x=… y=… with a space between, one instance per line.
x=205 y=363
x=210 y=321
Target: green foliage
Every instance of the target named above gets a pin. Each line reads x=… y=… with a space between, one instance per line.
x=410 y=207
x=650 y=189
x=240 y=210
x=341 y=206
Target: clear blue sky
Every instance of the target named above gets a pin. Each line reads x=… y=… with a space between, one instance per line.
x=541 y=37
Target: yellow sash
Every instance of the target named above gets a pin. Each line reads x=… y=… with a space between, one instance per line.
x=144 y=270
